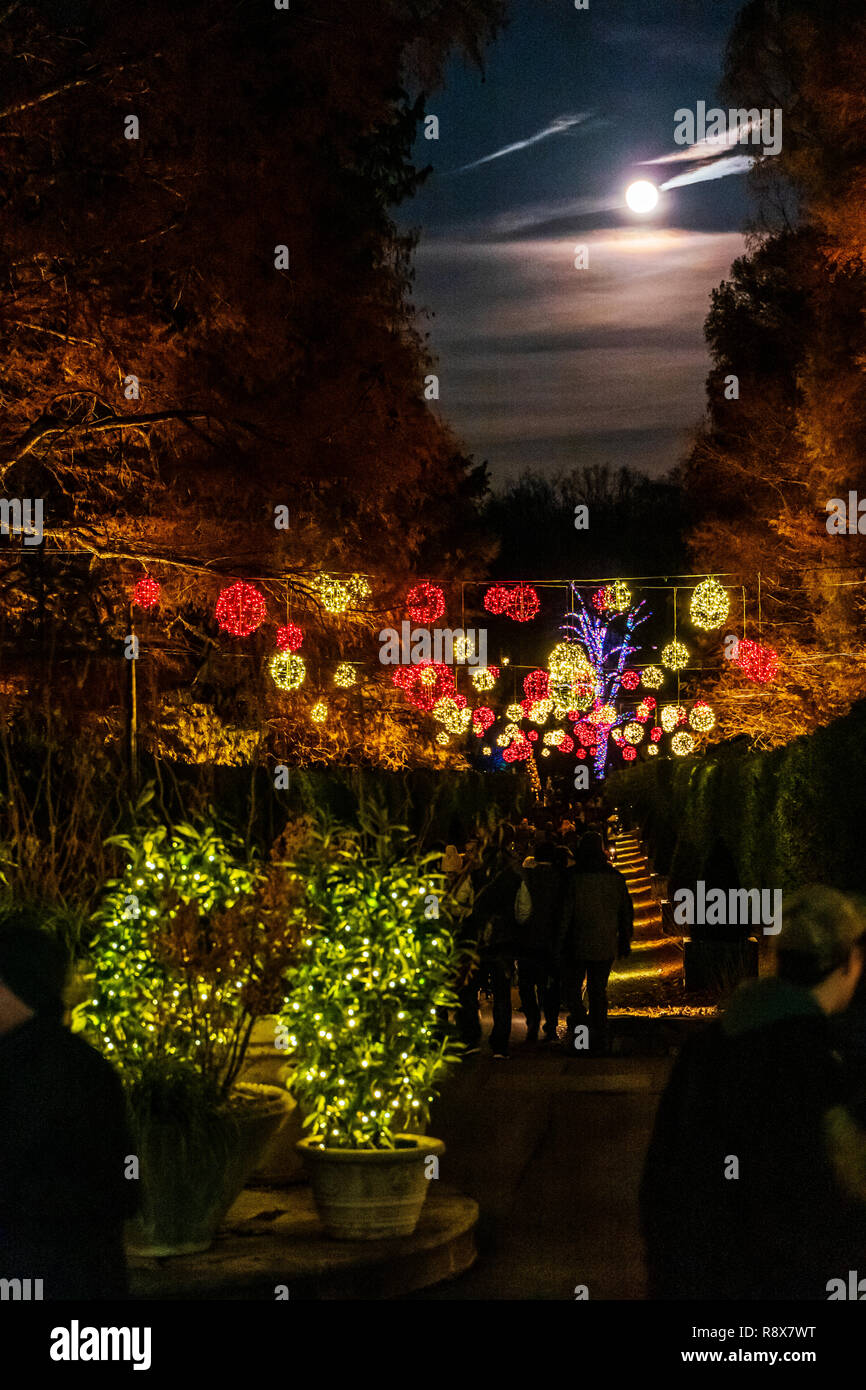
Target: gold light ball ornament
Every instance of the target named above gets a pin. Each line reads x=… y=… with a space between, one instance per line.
x=288 y=670
x=335 y=595
x=617 y=597
x=671 y=716
x=345 y=675
x=503 y=739
x=540 y=710
x=319 y=712
x=464 y=647
x=652 y=677
x=514 y=712
x=545 y=752
x=443 y=739
x=683 y=743
x=702 y=717
x=675 y=656
x=605 y=714
x=553 y=738
x=633 y=731
x=652 y=749
x=486 y=750
x=710 y=605
x=485 y=677
x=456 y=718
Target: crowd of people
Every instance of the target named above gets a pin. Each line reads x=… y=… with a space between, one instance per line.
x=543 y=904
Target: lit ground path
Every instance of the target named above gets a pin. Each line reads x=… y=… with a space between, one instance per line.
x=551 y=1147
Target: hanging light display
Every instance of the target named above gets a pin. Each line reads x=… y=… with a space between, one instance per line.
x=443 y=739
x=643 y=711
x=454 y=715
x=683 y=743
x=319 y=712
x=240 y=609
x=710 y=605
x=426 y=603
x=496 y=598
x=289 y=638
x=532 y=735
x=652 y=749
x=629 y=754
x=522 y=603
x=567 y=744
x=599 y=600
x=671 y=716
x=702 y=717
x=425 y=683
x=287 y=670
x=464 y=647
x=553 y=738
x=537 y=685
x=539 y=710
x=675 y=656
x=345 y=675
x=572 y=677
x=630 y=680
x=482 y=718
x=759 y=664
x=653 y=677
x=486 y=750
x=605 y=714
x=485 y=677
x=146 y=592
x=617 y=735
x=655 y=734
x=335 y=595
x=514 y=711
x=580 y=753
x=617 y=597
x=633 y=731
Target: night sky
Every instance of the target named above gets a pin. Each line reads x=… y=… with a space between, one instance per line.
x=541 y=365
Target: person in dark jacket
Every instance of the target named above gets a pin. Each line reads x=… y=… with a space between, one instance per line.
x=538 y=911
x=492 y=924
x=754 y=1185
x=63 y=1134
x=597 y=926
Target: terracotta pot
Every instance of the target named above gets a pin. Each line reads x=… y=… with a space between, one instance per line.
x=370 y=1194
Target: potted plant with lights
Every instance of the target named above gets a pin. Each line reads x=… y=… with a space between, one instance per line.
x=192 y=945
x=375 y=964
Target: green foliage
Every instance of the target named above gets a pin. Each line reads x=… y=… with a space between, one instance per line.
x=375 y=965
x=191 y=945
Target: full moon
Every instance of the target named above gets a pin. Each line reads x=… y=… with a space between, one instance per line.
x=642 y=196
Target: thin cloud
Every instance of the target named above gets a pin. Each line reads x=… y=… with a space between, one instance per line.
x=736 y=164
x=555 y=127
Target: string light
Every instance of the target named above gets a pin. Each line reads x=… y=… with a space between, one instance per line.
x=633 y=731
x=554 y=737
x=289 y=638
x=682 y=743
x=514 y=712
x=539 y=710
x=464 y=647
x=426 y=603
x=319 y=712
x=345 y=675
x=566 y=744
x=655 y=734
x=443 y=739
x=643 y=711
x=240 y=609
x=653 y=677
x=146 y=592
x=335 y=595
x=522 y=603
x=605 y=714
x=288 y=671
x=485 y=677
x=710 y=605
x=496 y=598
x=702 y=717
x=759 y=664
x=486 y=750
x=452 y=713
x=675 y=656
x=671 y=716
x=630 y=680
x=629 y=754
x=617 y=597
x=580 y=752
x=652 y=749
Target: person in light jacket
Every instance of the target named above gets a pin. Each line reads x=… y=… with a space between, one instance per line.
x=597 y=927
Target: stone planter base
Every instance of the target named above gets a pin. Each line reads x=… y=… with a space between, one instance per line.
x=369 y=1194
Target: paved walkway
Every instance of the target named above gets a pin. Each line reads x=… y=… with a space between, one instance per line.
x=552 y=1147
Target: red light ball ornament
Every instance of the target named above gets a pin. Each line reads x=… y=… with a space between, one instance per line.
x=522 y=603
x=537 y=685
x=426 y=683
x=241 y=609
x=630 y=680
x=496 y=598
x=146 y=592
x=759 y=664
x=629 y=754
x=482 y=718
x=655 y=734
x=580 y=752
x=567 y=744
x=426 y=603
x=289 y=638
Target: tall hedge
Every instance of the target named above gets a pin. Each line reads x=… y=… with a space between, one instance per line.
x=791 y=816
